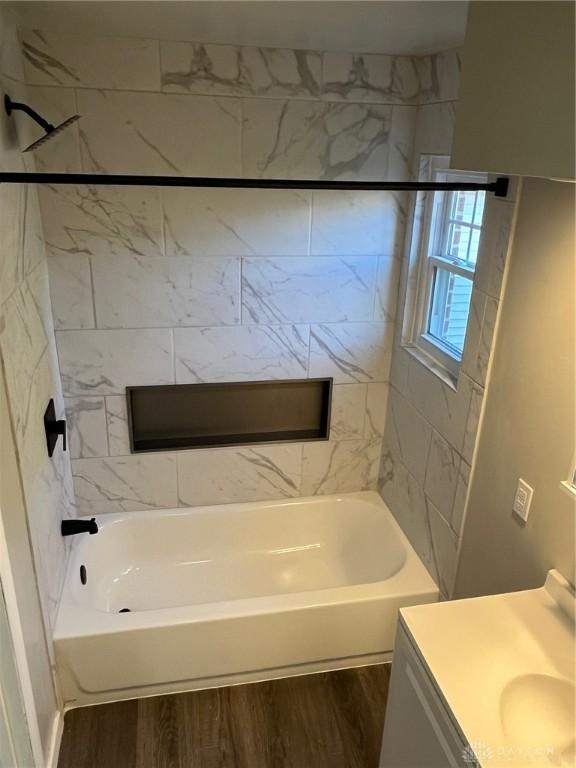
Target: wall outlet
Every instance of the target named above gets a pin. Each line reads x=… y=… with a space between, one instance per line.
x=523 y=499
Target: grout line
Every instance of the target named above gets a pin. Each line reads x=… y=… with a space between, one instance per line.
x=175 y=452
x=312 y=204
x=81 y=154
x=365 y=412
x=78 y=149
x=376 y=285
x=309 y=349
x=241 y=137
x=177 y=467
x=428 y=452
x=173 y=351
x=158 y=56
x=108 y=452
x=415 y=103
x=93 y=295
x=241 y=290
x=287 y=324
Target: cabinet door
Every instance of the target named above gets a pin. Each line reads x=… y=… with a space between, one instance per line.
x=418 y=732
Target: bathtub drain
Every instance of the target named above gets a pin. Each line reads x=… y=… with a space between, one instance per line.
x=124 y=610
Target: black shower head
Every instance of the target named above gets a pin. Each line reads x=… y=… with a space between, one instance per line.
x=50 y=134
x=51 y=130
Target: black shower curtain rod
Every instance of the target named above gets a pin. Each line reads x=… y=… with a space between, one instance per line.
x=499 y=187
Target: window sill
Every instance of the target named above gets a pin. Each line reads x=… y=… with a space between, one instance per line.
x=442 y=373
x=569 y=488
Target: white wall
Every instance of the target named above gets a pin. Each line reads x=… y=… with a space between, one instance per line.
x=417 y=27
x=516 y=113
x=153 y=287
x=528 y=424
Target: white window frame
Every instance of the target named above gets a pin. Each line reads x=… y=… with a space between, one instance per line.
x=431 y=248
x=570 y=484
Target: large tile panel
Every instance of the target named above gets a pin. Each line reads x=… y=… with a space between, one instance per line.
x=106 y=362
x=232 y=70
x=117 y=423
x=125 y=484
x=340 y=466
x=366 y=223
x=231 y=222
x=189 y=135
x=102 y=220
x=374 y=78
x=142 y=292
x=12 y=198
x=351 y=351
x=308 y=289
x=241 y=353
x=239 y=474
x=71 y=292
x=86 y=427
x=442 y=475
x=72 y=60
x=298 y=139
x=407 y=435
x=348 y=413
x=439 y=76
x=435 y=128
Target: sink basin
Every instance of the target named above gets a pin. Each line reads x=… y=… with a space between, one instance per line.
x=537 y=712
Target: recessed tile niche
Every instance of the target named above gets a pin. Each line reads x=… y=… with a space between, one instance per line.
x=184 y=416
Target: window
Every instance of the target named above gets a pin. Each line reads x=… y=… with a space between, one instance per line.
x=570 y=484
x=449 y=245
x=572 y=480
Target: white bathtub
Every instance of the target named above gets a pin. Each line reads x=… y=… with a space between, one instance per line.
x=233 y=593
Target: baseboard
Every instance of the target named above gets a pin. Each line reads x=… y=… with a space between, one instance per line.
x=55 y=741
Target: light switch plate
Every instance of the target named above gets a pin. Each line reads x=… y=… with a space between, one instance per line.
x=523 y=499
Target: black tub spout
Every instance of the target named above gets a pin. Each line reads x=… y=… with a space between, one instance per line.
x=72 y=527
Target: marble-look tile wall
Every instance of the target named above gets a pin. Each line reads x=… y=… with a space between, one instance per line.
x=431 y=426
x=29 y=377
x=28 y=351
x=157 y=286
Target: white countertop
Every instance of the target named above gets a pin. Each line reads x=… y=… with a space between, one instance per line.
x=505 y=667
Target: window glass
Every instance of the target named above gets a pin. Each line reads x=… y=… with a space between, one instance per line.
x=449 y=309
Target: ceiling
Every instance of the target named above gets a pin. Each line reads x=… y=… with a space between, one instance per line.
x=400 y=26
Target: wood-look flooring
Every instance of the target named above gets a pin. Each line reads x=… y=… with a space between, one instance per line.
x=329 y=720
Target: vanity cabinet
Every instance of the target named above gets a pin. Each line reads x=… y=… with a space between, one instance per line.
x=485 y=681
x=419 y=732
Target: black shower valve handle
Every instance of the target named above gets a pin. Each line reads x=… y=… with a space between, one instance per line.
x=54 y=428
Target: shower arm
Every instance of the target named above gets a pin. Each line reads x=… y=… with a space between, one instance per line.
x=498 y=187
x=16 y=106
